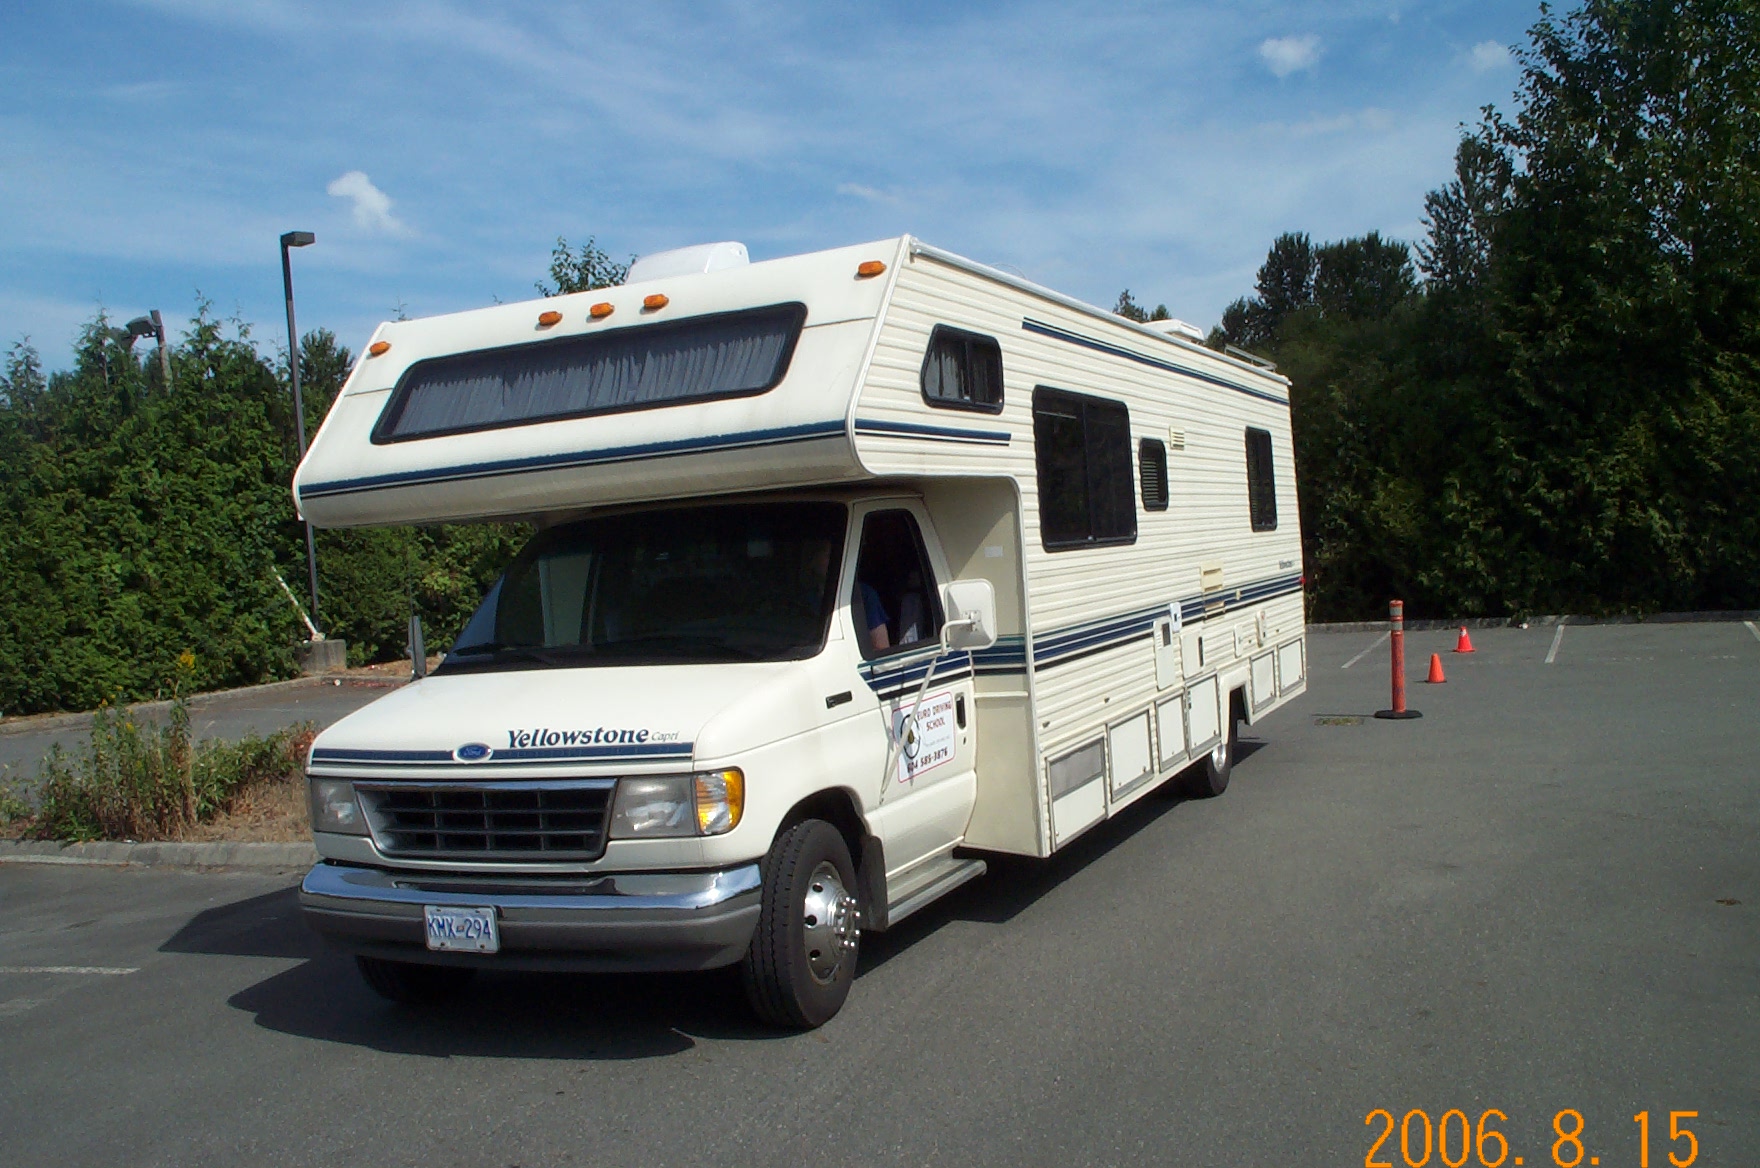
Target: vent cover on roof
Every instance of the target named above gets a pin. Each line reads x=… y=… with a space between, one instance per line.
x=1178 y=328
x=688 y=261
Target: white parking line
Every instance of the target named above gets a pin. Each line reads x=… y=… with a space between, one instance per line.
x=1366 y=652
x=1557 y=640
x=89 y=970
x=1752 y=629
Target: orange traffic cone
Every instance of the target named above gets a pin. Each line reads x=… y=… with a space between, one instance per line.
x=1436 y=677
x=1465 y=644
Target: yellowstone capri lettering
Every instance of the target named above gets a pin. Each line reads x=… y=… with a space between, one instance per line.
x=544 y=736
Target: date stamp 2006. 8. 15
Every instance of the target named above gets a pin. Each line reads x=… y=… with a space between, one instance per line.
x=1456 y=1141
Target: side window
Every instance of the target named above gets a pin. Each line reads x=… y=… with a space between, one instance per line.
x=962 y=371
x=1261 y=487
x=1082 y=447
x=896 y=604
x=1152 y=472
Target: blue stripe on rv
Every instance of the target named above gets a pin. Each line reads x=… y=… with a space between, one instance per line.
x=936 y=433
x=1099 y=346
x=1008 y=654
x=530 y=755
x=748 y=440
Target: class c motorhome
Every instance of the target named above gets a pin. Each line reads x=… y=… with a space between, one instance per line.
x=850 y=569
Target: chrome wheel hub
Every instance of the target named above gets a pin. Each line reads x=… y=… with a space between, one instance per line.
x=1219 y=754
x=831 y=923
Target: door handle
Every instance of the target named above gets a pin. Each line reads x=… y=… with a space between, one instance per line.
x=959 y=710
x=837 y=699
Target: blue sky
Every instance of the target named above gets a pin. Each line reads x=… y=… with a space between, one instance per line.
x=158 y=148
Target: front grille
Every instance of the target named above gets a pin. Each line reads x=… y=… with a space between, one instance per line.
x=557 y=820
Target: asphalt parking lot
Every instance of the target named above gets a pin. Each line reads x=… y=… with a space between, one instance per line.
x=230 y=715
x=1539 y=897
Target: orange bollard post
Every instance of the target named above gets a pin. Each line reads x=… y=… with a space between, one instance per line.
x=1396 y=621
x=1465 y=644
x=1435 y=677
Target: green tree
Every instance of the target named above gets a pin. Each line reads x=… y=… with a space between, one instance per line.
x=1128 y=308
x=582 y=269
x=1626 y=295
x=1460 y=217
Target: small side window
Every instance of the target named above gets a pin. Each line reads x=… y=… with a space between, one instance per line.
x=1152 y=471
x=1261 y=485
x=962 y=371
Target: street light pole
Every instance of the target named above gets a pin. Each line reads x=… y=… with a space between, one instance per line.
x=164 y=357
x=294 y=239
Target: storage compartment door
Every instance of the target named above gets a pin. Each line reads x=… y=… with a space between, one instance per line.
x=1264 y=680
x=1289 y=666
x=1170 y=725
x=1203 y=715
x=1078 y=790
x=1132 y=759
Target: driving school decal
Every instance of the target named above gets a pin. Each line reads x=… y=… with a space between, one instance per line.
x=927 y=740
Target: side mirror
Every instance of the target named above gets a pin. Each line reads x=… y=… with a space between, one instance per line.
x=971 y=614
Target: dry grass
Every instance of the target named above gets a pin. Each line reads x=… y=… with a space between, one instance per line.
x=274 y=812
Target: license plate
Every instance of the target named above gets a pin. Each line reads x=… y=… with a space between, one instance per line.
x=466 y=930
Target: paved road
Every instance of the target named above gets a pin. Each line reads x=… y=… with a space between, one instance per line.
x=230 y=716
x=1512 y=903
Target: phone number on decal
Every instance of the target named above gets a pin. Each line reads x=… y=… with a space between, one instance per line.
x=1456 y=1141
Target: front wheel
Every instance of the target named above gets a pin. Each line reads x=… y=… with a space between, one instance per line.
x=802 y=959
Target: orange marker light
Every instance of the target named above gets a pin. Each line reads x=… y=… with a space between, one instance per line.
x=655 y=301
x=601 y=310
x=869 y=268
x=379 y=348
x=546 y=319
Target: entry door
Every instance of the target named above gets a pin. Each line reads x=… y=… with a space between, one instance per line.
x=895 y=605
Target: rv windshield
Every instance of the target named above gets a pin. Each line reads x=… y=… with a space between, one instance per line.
x=735 y=582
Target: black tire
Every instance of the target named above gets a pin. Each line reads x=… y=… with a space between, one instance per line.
x=798 y=971
x=412 y=984
x=1210 y=777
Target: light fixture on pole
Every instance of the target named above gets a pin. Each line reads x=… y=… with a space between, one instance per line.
x=292 y=239
x=151 y=325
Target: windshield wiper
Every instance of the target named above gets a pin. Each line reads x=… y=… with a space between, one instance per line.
x=530 y=652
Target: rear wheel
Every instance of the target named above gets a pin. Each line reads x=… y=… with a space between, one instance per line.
x=412 y=984
x=802 y=959
x=1210 y=777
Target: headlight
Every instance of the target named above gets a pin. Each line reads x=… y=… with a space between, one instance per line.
x=655 y=807
x=721 y=800
x=334 y=807
x=667 y=806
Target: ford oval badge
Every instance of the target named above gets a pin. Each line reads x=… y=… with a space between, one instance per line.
x=473 y=752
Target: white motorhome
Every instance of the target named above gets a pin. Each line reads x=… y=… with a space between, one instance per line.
x=850 y=568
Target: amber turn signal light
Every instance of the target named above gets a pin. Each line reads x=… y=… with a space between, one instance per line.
x=869 y=268
x=546 y=319
x=379 y=348
x=600 y=310
x=656 y=300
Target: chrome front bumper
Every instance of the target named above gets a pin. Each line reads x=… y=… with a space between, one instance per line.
x=619 y=922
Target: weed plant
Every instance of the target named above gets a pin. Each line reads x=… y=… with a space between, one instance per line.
x=144 y=781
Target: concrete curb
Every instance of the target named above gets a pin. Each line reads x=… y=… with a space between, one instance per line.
x=1512 y=622
x=220 y=854
x=32 y=723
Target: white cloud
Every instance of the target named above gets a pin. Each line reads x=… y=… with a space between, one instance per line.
x=1371 y=119
x=372 y=206
x=1489 y=55
x=1286 y=55
x=870 y=194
